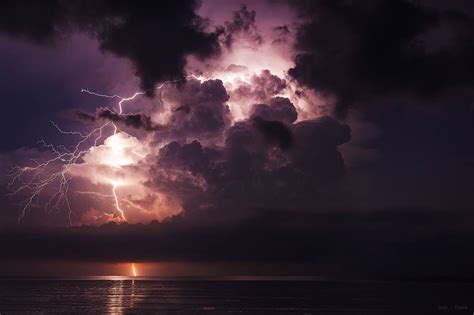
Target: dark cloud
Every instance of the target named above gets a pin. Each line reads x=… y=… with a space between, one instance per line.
x=361 y=52
x=262 y=163
x=199 y=110
x=261 y=88
x=280 y=109
x=274 y=132
x=155 y=37
x=243 y=23
x=83 y=116
x=281 y=34
x=136 y=120
x=393 y=243
x=180 y=171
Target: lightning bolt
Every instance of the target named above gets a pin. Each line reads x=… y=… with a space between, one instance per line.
x=42 y=175
x=134 y=270
x=120 y=111
x=37 y=178
x=117 y=205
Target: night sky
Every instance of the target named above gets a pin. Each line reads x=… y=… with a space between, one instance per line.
x=334 y=135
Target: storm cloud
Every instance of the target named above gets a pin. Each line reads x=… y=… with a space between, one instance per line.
x=198 y=110
x=155 y=37
x=135 y=120
x=243 y=23
x=367 y=53
x=338 y=138
x=399 y=244
x=263 y=162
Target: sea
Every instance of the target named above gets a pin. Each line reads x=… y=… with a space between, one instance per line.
x=248 y=295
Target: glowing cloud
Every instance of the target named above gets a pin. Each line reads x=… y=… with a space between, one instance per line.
x=216 y=96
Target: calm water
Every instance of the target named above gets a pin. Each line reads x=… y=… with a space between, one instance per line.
x=125 y=296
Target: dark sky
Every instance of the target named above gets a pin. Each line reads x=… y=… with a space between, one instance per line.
x=330 y=133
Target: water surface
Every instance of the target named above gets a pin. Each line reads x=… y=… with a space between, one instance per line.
x=119 y=295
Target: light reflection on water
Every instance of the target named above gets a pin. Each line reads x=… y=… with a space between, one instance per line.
x=116 y=294
x=123 y=295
